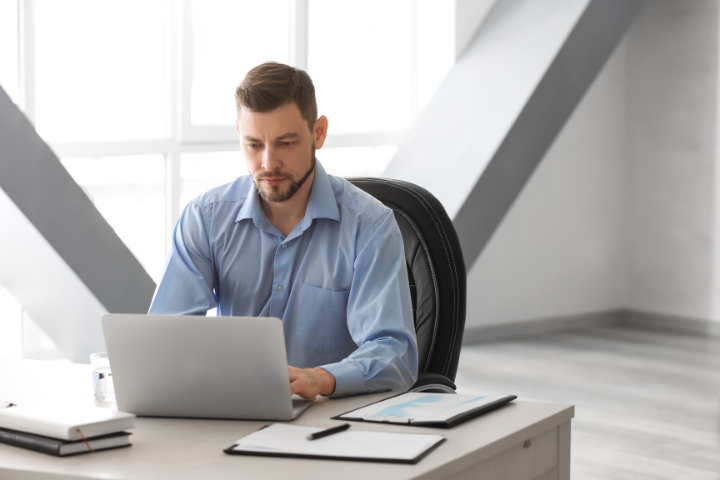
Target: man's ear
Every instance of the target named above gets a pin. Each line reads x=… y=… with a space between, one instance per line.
x=320 y=131
x=237 y=125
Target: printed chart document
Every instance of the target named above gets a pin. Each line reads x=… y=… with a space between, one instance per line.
x=281 y=440
x=442 y=410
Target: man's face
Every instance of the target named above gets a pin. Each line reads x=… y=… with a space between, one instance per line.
x=279 y=150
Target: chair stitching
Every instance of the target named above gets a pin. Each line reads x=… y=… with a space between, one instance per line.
x=437 y=296
x=451 y=258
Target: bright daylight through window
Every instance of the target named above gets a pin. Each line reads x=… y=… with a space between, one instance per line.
x=93 y=81
x=227 y=40
x=137 y=97
x=9 y=51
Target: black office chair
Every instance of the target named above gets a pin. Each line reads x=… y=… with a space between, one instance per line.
x=436 y=271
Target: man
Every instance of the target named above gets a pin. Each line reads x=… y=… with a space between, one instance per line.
x=291 y=241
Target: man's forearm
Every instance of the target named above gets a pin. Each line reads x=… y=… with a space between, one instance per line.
x=359 y=373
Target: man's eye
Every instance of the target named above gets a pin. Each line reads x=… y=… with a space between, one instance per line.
x=286 y=144
x=253 y=145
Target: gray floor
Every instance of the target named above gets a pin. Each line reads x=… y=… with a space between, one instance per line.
x=647 y=403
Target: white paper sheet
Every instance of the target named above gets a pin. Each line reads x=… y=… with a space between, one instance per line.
x=282 y=438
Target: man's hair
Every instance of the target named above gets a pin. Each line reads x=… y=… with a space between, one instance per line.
x=272 y=85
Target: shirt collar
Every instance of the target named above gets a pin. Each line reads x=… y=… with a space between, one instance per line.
x=321 y=204
x=249 y=206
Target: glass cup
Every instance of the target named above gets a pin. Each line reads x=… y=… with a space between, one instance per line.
x=102 y=378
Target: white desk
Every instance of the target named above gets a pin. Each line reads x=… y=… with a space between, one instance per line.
x=523 y=441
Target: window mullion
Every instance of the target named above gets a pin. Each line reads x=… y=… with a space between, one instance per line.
x=414 y=52
x=299 y=34
x=179 y=117
x=184 y=70
x=26 y=16
x=173 y=186
x=173 y=69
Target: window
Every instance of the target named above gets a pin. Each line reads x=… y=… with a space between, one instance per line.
x=129 y=192
x=202 y=171
x=9 y=51
x=100 y=70
x=228 y=38
x=137 y=97
x=434 y=46
x=356 y=161
x=374 y=74
x=363 y=76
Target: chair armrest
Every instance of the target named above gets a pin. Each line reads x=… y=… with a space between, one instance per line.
x=433 y=382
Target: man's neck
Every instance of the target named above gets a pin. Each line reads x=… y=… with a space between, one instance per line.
x=286 y=215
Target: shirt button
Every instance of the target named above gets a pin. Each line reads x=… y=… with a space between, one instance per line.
x=280 y=288
x=284 y=245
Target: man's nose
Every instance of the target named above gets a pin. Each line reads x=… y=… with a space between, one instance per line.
x=271 y=161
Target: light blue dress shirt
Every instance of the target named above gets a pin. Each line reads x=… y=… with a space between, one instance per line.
x=338 y=281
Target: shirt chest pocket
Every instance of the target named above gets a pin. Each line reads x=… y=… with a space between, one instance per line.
x=322 y=318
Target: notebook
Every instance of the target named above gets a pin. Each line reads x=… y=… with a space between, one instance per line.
x=282 y=440
x=63 y=448
x=442 y=410
x=64 y=421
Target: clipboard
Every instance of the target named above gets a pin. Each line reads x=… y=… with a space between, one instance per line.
x=482 y=406
x=358 y=446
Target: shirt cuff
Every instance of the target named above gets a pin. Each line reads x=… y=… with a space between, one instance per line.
x=348 y=378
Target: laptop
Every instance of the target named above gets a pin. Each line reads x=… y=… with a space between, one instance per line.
x=200 y=367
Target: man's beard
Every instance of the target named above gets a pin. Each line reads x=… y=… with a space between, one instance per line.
x=274 y=195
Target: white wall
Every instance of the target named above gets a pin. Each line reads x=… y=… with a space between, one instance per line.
x=672 y=82
x=559 y=250
x=624 y=210
x=469 y=14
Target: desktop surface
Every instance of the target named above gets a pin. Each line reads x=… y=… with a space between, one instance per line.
x=524 y=440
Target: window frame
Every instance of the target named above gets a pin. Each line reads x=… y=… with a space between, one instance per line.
x=181 y=136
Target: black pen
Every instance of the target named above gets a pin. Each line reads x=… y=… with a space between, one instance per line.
x=329 y=431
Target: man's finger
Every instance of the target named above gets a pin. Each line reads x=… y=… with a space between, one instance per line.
x=297 y=383
x=302 y=382
x=302 y=386
x=298 y=388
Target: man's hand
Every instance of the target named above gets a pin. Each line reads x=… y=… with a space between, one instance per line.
x=311 y=382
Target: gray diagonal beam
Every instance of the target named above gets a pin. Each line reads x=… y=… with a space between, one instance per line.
x=581 y=58
x=89 y=261
x=504 y=102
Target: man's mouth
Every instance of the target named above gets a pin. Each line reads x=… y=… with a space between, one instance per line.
x=272 y=181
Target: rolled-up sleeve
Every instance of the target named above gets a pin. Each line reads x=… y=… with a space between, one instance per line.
x=186 y=287
x=379 y=317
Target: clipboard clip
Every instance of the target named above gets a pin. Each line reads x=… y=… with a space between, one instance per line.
x=388 y=419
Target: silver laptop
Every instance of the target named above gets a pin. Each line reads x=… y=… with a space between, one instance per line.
x=200 y=367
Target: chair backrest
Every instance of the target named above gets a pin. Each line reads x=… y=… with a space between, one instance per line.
x=436 y=270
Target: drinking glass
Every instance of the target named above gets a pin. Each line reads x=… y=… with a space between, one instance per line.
x=102 y=377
